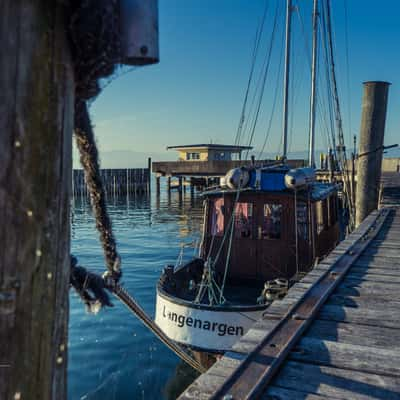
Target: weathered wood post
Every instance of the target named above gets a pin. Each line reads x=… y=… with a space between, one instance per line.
x=370 y=148
x=158 y=185
x=149 y=176
x=191 y=186
x=36 y=123
x=180 y=184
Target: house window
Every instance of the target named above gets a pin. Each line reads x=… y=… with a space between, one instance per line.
x=217 y=217
x=220 y=156
x=243 y=220
x=271 y=224
x=192 y=156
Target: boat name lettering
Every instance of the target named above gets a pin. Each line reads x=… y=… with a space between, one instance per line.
x=220 y=328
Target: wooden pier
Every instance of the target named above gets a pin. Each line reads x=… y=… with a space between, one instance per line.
x=336 y=335
x=116 y=182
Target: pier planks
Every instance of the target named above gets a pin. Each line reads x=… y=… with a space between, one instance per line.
x=351 y=349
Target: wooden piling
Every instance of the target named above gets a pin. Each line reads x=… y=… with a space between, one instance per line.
x=370 y=148
x=36 y=123
x=158 y=185
x=148 y=176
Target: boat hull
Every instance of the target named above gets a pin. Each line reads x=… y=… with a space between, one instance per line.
x=203 y=327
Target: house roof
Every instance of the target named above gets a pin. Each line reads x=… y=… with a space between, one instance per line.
x=211 y=146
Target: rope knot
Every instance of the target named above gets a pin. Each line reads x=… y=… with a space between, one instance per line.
x=90 y=287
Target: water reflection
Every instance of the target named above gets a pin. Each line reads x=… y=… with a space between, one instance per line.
x=112 y=355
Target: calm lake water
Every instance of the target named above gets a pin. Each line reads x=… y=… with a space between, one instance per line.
x=111 y=354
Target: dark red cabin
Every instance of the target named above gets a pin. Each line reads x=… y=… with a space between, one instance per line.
x=276 y=234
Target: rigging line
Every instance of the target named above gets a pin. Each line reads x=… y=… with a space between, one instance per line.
x=328 y=86
x=277 y=91
x=262 y=90
x=342 y=152
x=330 y=127
x=228 y=256
x=346 y=36
x=320 y=106
x=254 y=96
x=257 y=41
x=295 y=94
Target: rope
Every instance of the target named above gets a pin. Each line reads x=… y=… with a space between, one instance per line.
x=90 y=287
x=228 y=255
x=132 y=304
x=266 y=65
x=89 y=159
x=257 y=40
x=95 y=42
x=92 y=290
x=342 y=153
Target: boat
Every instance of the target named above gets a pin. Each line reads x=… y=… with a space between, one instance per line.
x=259 y=238
x=265 y=227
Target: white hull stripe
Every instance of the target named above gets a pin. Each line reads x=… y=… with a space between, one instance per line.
x=204 y=329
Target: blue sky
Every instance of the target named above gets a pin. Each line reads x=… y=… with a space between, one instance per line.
x=195 y=93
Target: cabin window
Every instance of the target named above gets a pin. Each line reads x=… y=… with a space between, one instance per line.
x=302 y=225
x=322 y=215
x=243 y=220
x=333 y=212
x=217 y=217
x=271 y=225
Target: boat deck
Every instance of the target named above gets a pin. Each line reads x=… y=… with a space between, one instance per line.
x=335 y=335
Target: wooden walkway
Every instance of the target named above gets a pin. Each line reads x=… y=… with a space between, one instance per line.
x=336 y=335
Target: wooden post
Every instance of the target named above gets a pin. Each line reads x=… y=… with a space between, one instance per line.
x=149 y=176
x=127 y=182
x=191 y=187
x=169 y=184
x=158 y=185
x=370 y=149
x=180 y=184
x=36 y=123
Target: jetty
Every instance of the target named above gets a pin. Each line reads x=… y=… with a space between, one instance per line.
x=337 y=332
x=202 y=165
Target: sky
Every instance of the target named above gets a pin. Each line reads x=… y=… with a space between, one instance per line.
x=195 y=93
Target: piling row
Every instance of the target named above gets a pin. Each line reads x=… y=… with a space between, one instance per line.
x=116 y=182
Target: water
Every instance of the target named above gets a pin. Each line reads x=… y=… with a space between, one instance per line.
x=112 y=355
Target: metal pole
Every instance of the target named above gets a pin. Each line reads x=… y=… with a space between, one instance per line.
x=370 y=148
x=286 y=77
x=311 y=156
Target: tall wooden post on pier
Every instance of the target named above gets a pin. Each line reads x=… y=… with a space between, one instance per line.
x=370 y=149
x=36 y=123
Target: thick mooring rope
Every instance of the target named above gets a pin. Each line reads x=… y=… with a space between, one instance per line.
x=89 y=286
x=94 y=34
x=89 y=159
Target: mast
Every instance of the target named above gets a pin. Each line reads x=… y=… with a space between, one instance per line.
x=286 y=77
x=311 y=155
